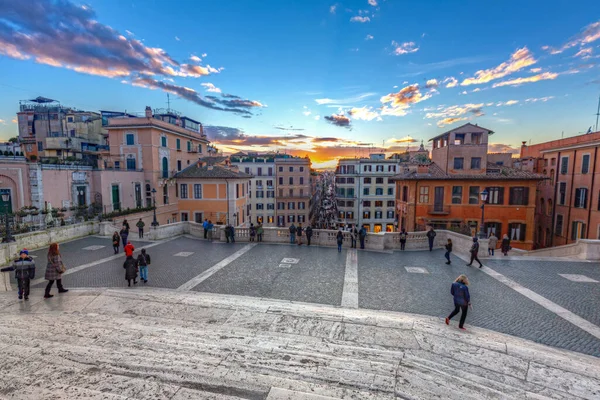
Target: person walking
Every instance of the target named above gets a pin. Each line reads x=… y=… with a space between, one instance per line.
x=474 y=250
x=505 y=244
x=353 y=235
x=252 y=232
x=309 y=233
x=116 y=240
x=492 y=243
x=299 y=232
x=143 y=261
x=209 y=228
x=54 y=270
x=131 y=268
x=292 y=233
x=259 y=232
x=24 y=268
x=362 y=234
x=403 y=236
x=448 y=247
x=462 y=300
x=227 y=232
x=431 y=237
x=232 y=234
x=340 y=240
x=126 y=226
x=205 y=226
x=128 y=249
x=124 y=235
x=140 y=225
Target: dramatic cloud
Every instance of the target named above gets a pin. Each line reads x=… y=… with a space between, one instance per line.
x=211 y=88
x=404 y=48
x=373 y=3
x=589 y=34
x=456 y=111
x=369 y=37
x=364 y=113
x=234 y=136
x=451 y=82
x=448 y=121
x=406 y=139
x=400 y=102
x=338 y=120
x=534 y=78
x=235 y=102
x=360 y=19
x=349 y=100
x=522 y=58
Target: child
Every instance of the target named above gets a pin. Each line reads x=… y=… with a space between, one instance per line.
x=448 y=251
x=131 y=268
x=143 y=261
x=116 y=239
x=24 y=268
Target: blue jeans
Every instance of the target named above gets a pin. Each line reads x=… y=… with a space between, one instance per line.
x=339 y=247
x=447 y=255
x=430 y=243
x=144 y=272
x=292 y=238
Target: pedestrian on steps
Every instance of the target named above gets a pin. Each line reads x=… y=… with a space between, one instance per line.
x=140 y=225
x=209 y=228
x=431 y=237
x=362 y=234
x=474 y=250
x=505 y=244
x=24 y=268
x=462 y=300
x=309 y=233
x=353 y=237
x=260 y=231
x=292 y=233
x=54 y=270
x=252 y=232
x=126 y=226
x=299 y=232
x=143 y=261
x=116 y=240
x=131 y=269
x=128 y=249
x=204 y=227
x=492 y=243
x=124 y=235
x=340 y=240
x=448 y=251
x=403 y=236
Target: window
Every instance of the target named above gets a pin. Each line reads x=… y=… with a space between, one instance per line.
x=519 y=196
x=183 y=191
x=559 y=225
x=247 y=170
x=197 y=191
x=379 y=203
x=178 y=165
x=378 y=180
x=476 y=163
x=495 y=195
x=280 y=169
x=349 y=180
x=473 y=194
x=291 y=192
x=198 y=217
x=476 y=138
x=367 y=180
x=350 y=214
x=580 y=198
x=301 y=192
x=391 y=168
x=516 y=231
x=163 y=141
x=280 y=205
x=270 y=194
x=259 y=184
x=545 y=162
x=301 y=205
x=551 y=177
x=564 y=165
x=270 y=171
x=493 y=227
x=456 y=194
x=189 y=146
x=291 y=180
x=341 y=203
x=291 y=218
x=350 y=192
x=40 y=146
x=390 y=203
x=585 y=164
x=237 y=191
x=459 y=162
x=424 y=194
x=549 y=209
x=131 y=164
x=378 y=214
x=553 y=162
x=366 y=214
x=379 y=168
x=390 y=214
x=291 y=169
x=260 y=206
x=165 y=195
x=281 y=180
x=117 y=164
x=259 y=171
x=301 y=169
x=562 y=193
x=341 y=180
x=379 y=191
x=291 y=205
x=260 y=194
x=301 y=218
x=302 y=180
x=270 y=206
x=367 y=203
x=70 y=119
x=390 y=191
x=365 y=191
x=578 y=230
x=270 y=184
x=404 y=193
x=459 y=138
x=367 y=168
x=165 y=167
x=130 y=139
x=199 y=148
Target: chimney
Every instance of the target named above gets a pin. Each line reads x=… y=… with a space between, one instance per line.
x=422 y=169
x=201 y=130
x=148 y=112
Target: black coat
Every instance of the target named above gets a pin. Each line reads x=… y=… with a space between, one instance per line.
x=131 y=267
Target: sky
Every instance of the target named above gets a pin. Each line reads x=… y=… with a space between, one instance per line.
x=327 y=79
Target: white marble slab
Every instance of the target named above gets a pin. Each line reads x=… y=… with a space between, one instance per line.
x=290 y=261
x=416 y=270
x=183 y=254
x=578 y=278
x=94 y=247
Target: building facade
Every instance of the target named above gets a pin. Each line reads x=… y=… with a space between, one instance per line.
x=292 y=191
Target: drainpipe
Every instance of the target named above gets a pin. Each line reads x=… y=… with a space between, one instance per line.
x=556 y=174
x=415 y=210
x=227 y=197
x=571 y=196
x=587 y=233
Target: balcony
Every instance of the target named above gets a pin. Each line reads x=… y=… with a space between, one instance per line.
x=439 y=210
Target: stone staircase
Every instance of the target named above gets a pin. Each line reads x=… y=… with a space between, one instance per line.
x=161 y=344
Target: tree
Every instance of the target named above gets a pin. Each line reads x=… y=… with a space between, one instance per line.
x=13 y=140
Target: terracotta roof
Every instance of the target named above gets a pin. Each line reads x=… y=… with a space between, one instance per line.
x=212 y=160
x=494 y=172
x=462 y=126
x=211 y=172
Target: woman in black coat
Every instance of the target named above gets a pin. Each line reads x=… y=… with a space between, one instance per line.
x=131 y=269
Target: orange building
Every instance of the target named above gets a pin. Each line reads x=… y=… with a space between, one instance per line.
x=568 y=203
x=446 y=193
x=212 y=189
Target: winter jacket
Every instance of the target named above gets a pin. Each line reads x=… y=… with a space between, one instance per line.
x=140 y=224
x=131 y=267
x=143 y=260
x=309 y=232
x=492 y=242
x=299 y=231
x=448 y=247
x=293 y=229
x=340 y=238
x=431 y=234
x=460 y=291
x=124 y=234
x=116 y=239
x=403 y=236
x=260 y=230
x=505 y=245
x=53 y=268
x=362 y=233
x=129 y=249
x=252 y=231
x=24 y=268
x=475 y=248
x=126 y=225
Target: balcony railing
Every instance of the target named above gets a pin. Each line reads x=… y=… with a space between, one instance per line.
x=439 y=210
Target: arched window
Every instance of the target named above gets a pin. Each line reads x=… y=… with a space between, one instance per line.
x=542 y=205
x=165 y=167
x=549 y=209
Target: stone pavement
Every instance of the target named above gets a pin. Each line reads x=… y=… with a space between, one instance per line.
x=144 y=343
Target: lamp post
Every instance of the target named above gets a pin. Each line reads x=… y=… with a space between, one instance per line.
x=8 y=237
x=154 y=221
x=235 y=219
x=484 y=196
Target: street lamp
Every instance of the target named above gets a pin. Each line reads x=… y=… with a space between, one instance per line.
x=8 y=237
x=154 y=221
x=484 y=196
x=235 y=219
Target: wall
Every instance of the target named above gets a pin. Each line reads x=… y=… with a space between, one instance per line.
x=14 y=175
x=104 y=179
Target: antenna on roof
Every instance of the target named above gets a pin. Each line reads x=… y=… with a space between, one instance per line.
x=597 y=113
x=168 y=102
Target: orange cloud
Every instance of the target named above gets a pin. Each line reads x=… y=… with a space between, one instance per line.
x=448 y=121
x=522 y=58
x=400 y=102
x=364 y=113
x=534 y=78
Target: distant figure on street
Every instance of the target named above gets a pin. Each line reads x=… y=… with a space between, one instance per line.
x=128 y=249
x=340 y=240
x=462 y=300
x=126 y=225
x=209 y=228
x=259 y=232
x=124 y=235
x=252 y=232
x=131 y=269
x=505 y=244
x=54 y=270
x=362 y=234
x=227 y=232
x=431 y=237
x=403 y=236
x=299 y=232
x=140 y=225
x=448 y=247
x=24 y=268
x=492 y=243
x=292 y=233
x=353 y=237
x=143 y=261
x=116 y=240
x=204 y=226
x=474 y=250
x=309 y=233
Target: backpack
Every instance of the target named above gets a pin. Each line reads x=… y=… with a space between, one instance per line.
x=402 y=236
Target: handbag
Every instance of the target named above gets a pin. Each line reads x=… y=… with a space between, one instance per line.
x=62 y=268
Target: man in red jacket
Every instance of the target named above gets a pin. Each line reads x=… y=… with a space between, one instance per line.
x=129 y=249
